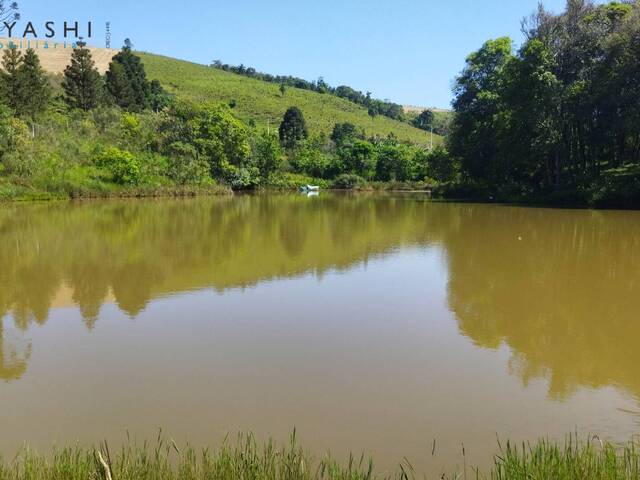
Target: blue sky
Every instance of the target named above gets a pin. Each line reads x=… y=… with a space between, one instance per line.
x=405 y=51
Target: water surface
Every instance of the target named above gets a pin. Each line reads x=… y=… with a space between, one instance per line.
x=369 y=323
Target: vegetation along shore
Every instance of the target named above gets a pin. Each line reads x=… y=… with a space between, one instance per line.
x=82 y=134
x=247 y=458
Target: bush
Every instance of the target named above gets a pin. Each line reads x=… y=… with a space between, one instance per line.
x=310 y=158
x=441 y=166
x=241 y=178
x=14 y=133
x=186 y=166
x=267 y=154
x=130 y=125
x=349 y=181
x=360 y=158
x=123 y=166
x=293 y=181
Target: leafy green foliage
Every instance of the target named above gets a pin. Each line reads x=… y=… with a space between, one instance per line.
x=160 y=99
x=424 y=120
x=440 y=166
x=268 y=156
x=395 y=162
x=217 y=137
x=124 y=167
x=344 y=132
x=359 y=158
x=13 y=134
x=349 y=181
x=186 y=165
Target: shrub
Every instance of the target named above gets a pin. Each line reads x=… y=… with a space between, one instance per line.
x=241 y=178
x=123 y=165
x=293 y=181
x=267 y=154
x=441 y=166
x=186 y=166
x=130 y=125
x=360 y=158
x=349 y=181
x=14 y=133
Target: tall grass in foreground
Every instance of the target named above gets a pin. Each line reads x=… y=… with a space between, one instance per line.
x=246 y=459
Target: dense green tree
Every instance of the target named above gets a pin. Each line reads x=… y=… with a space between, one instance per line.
x=34 y=90
x=186 y=165
x=477 y=104
x=9 y=78
x=218 y=137
x=439 y=166
x=160 y=99
x=13 y=133
x=293 y=128
x=359 y=157
x=343 y=132
x=268 y=155
x=119 y=86
x=127 y=81
x=424 y=121
x=81 y=80
x=395 y=162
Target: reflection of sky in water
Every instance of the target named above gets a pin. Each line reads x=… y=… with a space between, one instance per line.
x=426 y=321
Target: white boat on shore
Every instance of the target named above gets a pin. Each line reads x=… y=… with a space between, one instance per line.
x=310 y=188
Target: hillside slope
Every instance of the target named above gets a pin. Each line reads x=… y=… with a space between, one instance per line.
x=263 y=103
x=255 y=100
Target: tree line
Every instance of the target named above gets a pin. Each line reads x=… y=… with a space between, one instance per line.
x=374 y=106
x=558 y=120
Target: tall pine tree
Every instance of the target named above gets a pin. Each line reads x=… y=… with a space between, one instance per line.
x=9 y=80
x=81 y=80
x=34 y=90
x=127 y=81
x=119 y=86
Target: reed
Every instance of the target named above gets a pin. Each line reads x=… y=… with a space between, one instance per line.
x=245 y=458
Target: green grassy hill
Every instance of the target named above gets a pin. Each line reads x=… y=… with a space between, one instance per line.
x=262 y=102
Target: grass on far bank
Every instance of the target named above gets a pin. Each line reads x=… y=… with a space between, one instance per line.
x=263 y=103
x=248 y=459
x=48 y=190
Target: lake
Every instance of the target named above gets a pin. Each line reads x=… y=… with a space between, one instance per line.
x=372 y=323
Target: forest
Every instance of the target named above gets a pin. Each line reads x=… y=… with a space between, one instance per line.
x=557 y=121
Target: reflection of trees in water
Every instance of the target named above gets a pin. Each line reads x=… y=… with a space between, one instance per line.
x=140 y=250
x=565 y=298
x=14 y=354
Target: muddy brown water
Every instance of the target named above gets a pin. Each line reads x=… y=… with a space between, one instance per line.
x=370 y=323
